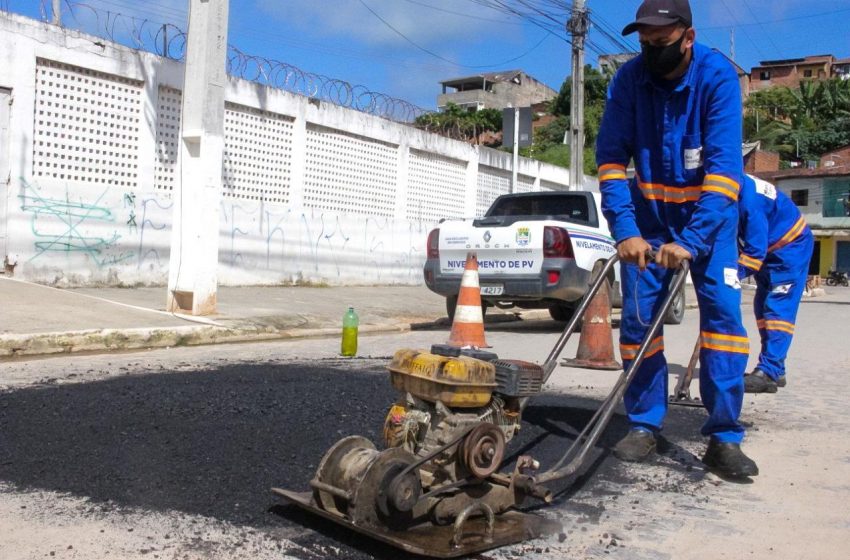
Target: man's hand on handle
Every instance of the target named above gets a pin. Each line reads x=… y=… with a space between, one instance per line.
x=671 y=255
x=637 y=251
x=634 y=250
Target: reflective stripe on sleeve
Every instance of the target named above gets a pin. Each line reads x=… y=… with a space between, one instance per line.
x=750 y=262
x=612 y=171
x=790 y=236
x=721 y=185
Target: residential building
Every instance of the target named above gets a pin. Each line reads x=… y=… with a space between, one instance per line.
x=791 y=71
x=760 y=161
x=836 y=158
x=841 y=69
x=494 y=90
x=823 y=196
x=610 y=63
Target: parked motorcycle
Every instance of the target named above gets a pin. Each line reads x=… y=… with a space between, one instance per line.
x=837 y=278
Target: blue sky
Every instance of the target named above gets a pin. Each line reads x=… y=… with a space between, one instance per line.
x=344 y=39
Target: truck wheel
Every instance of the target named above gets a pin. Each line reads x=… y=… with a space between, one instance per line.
x=677 y=312
x=451 y=305
x=561 y=312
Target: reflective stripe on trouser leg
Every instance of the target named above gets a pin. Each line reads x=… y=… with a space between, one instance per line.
x=725 y=346
x=780 y=286
x=645 y=399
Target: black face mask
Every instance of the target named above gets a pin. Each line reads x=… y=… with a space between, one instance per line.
x=660 y=61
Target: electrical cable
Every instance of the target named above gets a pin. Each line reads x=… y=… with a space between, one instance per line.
x=768 y=35
x=470 y=16
x=435 y=55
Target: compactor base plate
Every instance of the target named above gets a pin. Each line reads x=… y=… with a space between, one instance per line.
x=435 y=541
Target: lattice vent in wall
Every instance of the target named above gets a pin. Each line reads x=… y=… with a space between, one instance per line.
x=257 y=150
x=346 y=173
x=257 y=154
x=436 y=187
x=524 y=184
x=86 y=125
x=167 y=133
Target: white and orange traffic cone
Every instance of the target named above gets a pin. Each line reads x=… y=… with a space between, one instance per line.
x=468 y=325
x=596 y=344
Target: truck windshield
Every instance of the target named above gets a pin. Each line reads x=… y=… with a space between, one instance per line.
x=573 y=208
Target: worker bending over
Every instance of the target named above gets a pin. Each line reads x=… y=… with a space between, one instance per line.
x=776 y=248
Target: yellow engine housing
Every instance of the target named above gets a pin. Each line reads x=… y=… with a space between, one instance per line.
x=460 y=382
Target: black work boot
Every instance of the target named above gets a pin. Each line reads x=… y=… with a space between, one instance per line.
x=781 y=381
x=727 y=459
x=759 y=382
x=636 y=446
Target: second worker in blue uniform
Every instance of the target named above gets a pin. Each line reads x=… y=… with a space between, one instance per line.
x=776 y=249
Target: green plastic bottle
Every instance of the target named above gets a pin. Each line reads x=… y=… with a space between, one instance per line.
x=350 y=323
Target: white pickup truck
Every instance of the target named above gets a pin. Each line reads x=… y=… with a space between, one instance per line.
x=535 y=251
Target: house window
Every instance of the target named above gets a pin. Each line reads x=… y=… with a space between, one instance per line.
x=807 y=73
x=800 y=197
x=764 y=75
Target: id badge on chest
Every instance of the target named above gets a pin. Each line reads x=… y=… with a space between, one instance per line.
x=693 y=158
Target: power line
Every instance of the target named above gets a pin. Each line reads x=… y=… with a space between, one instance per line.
x=782 y=20
x=755 y=18
x=734 y=19
x=435 y=55
x=470 y=16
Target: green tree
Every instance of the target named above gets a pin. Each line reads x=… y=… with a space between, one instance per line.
x=800 y=123
x=461 y=124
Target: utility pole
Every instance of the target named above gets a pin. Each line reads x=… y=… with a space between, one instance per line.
x=515 y=165
x=57 y=12
x=577 y=26
x=192 y=272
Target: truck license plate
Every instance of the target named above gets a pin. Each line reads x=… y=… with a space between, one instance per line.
x=492 y=290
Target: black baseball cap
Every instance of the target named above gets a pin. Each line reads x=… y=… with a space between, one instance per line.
x=659 y=13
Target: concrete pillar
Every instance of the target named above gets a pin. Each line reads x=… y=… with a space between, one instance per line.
x=192 y=274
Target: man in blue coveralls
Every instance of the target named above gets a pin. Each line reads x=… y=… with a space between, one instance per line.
x=676 y=111
x=776 y=247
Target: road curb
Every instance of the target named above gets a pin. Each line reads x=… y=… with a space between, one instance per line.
x=112 y=340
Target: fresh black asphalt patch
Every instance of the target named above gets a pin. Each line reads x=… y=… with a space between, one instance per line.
x=213 y=442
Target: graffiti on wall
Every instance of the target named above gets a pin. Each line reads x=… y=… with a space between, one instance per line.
x=274 y=242
x=72 y=226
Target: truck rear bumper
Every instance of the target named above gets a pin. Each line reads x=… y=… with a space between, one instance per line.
x=570 y=286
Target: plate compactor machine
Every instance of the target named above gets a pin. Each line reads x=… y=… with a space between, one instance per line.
x=437 y=488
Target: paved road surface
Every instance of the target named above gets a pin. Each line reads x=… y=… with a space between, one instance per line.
x=169 y=453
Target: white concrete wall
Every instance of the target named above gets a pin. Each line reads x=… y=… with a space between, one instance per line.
x=350 y=201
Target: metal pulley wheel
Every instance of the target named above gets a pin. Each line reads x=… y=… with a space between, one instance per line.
x=482 y=450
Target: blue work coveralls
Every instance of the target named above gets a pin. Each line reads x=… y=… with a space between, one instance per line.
x=776 y=246
x=685 y=140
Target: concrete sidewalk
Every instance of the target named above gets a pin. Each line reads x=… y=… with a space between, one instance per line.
x=41 y=320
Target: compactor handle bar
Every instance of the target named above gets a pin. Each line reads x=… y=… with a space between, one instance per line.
x=591 y=433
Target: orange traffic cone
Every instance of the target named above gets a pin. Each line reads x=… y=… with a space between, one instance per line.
x=468 y=326
x=596 y=344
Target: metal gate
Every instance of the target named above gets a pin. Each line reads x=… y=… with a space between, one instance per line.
x=5 y=110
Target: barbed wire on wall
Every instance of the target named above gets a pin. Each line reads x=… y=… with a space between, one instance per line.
x=168 y=40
